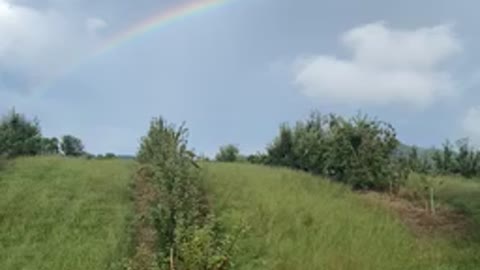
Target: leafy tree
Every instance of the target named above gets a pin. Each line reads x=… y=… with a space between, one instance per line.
x=110 y=156
x=414 y=160
x=19 y=136
x=50 y=146
x=281 y=151
x=228 y=153
x=163 y=142
x=467 y=159
x=361 y=151
x=358 y=151
x=72 y=146
x=258 y=158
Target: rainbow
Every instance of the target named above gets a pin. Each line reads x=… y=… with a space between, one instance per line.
x=157 y=21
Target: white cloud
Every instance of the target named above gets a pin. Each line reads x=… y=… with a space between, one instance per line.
x=37 y=44
x=387 y=66
x=471 y=124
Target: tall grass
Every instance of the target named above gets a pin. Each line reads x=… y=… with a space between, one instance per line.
x=64 y=213
x=298 y=221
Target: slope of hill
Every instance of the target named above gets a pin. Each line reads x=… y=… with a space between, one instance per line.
x=298 y=221
x=64 y=213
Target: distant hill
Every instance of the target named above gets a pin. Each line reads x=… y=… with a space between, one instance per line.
x=126 y=157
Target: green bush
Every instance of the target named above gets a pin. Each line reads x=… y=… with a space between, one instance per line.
x=19 y=136
x=358 y=151
x=72 y=146
x=50 y=146
x=228 y=153
x=188 y=232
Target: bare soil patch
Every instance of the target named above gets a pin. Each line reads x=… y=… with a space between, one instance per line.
x=145 y=235
x=417 y=217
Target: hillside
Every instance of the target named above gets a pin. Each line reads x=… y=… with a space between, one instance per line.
x=58 y=213
x=298 y=221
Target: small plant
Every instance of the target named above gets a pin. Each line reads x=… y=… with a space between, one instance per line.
x=430 y=186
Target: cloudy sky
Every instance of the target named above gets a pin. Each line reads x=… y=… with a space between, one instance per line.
x=235 y=72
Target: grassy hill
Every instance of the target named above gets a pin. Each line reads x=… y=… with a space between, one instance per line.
x=298 y=221
x=64 y=213
x=58 y=213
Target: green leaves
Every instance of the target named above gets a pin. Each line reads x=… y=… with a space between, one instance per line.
x=190 y=237
x=228 y=153
x=19 y=136
x=357 y=151
x=72 y=146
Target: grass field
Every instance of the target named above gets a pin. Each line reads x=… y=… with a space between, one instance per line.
x=463 y=194
x=298 y=221
x=64 y=213
x=58 y=213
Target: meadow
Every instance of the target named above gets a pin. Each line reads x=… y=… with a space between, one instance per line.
x=62 y=213
x=299 y=221
x=67 y=213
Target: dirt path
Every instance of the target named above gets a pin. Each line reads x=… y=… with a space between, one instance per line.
x=421 y=222
x=145 y=235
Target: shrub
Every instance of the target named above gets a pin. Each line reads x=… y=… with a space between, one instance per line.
x=228 y=153
x=19 y=136
x=72 y=146
x=358 y=151
x=188 y=231
x=258 y=158
x=50 y=146
x=110 y=156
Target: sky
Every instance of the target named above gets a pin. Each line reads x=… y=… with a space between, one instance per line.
x=236 y=71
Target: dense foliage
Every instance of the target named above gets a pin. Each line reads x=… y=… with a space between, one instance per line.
x=189 y=235
x=358 y=151
x=461 y=159
x=72 y=146
x=19 y=136
x=50 y=146
x=228 y=153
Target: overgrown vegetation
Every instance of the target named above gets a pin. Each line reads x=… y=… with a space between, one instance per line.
x=357 y=151
x=293 y=216
x=19 y=136
x=72 y=146
x=228 y=153
x=189 y=235
x=299 y=221
x=459 y=159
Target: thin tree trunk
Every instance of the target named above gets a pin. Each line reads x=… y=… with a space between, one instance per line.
x=432 y=200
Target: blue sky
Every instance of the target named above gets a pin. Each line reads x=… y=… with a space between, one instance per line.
x=236 y=72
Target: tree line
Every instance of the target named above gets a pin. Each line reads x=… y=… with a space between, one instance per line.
x=361 y=151
x=20 y=136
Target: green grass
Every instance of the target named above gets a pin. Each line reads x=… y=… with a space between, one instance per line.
x=298 y=221
x=462 y=194
x=64 y=213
